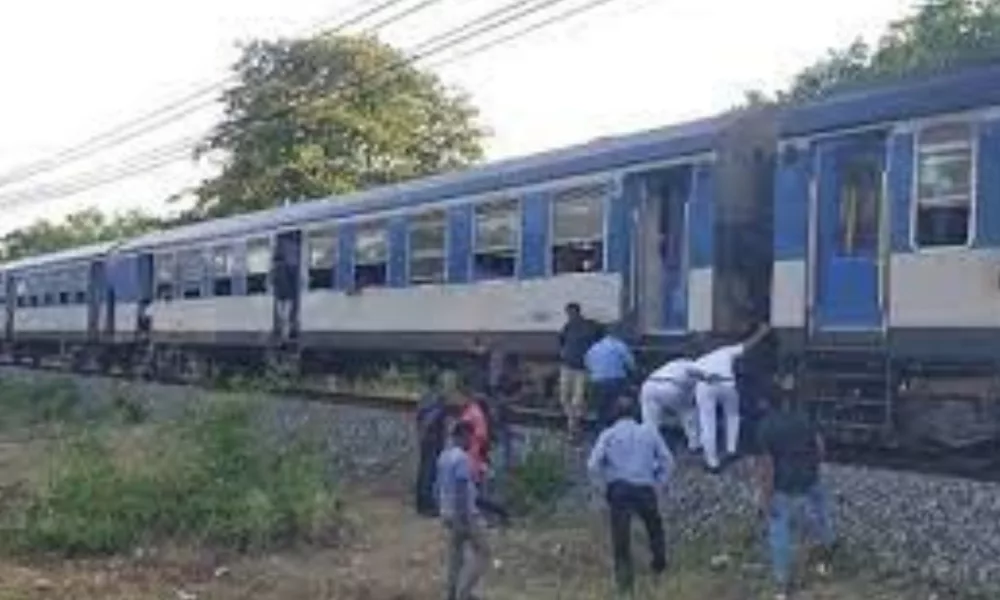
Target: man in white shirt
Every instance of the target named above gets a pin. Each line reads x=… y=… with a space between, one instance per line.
x=671 y=387
x=719 y=387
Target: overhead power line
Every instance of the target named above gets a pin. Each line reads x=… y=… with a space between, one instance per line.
x=162 y=156
x=182 y=107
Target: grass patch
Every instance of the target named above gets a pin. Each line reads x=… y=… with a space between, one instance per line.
x=537 y=481
x=210 y=478
x=28 y=402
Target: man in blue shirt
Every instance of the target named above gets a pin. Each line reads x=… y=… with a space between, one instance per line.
x=468 y=553
x=609 y=365
x=631 y=461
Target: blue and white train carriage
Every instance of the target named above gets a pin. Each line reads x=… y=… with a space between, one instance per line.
x=54 y=304
x=886 y=282
x=656 y=230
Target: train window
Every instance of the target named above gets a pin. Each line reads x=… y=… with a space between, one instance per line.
x=258 y=266
x=64 y=297
x=427 y=247
x=860 y=202
x=322 y=260
x=371 y=256
x=944 y=186
x=222 y=271
x=578 y=230
x=496 y=240
x=165 y=268
x=80 y=297
x=191 y=267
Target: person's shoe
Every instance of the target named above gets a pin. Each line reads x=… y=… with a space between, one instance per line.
x=716 y=470
x=659 y=568
x=823 y=569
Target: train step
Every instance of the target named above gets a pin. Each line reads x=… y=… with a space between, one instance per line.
x=849 y=392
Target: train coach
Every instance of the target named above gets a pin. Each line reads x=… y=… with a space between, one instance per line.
x=660 y=231
x=886 y=283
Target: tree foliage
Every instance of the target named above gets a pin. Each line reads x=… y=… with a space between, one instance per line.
x=80 y=228
x=938 y=35
x=330 y=115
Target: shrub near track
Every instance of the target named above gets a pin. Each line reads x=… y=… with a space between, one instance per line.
x=210 y=478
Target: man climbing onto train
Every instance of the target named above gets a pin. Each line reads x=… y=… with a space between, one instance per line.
x=631 y=461
x=610 y=366
x=432 y=415
x=788 y=474
x=468 y=552
x=575 y=338
x=671 y=388
x=720 y=388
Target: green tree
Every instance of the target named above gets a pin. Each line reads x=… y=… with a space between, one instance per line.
x=938 y=35
x=87 y=226
x=331 y=115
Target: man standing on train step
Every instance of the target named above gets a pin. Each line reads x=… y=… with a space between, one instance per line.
x=720 y=388
x=575 y=338
x=671 y=387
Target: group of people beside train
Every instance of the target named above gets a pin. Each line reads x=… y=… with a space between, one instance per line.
x=629 y=457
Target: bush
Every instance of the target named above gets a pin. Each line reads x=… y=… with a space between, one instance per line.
x=537 y=481
x=210 y=478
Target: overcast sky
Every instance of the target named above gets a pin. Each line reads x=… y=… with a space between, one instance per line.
x=72 y=69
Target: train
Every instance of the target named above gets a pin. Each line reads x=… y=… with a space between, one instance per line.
x=860 y=226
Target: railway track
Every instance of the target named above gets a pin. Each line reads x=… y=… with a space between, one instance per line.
x=979 y=463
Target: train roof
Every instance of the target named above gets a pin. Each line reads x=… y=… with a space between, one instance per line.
x=603 y=154
x=960 y=90
x=62 y=256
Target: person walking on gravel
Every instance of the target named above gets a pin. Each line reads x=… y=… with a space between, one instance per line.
x=432 y=416
x=631 y=461
x=788 y=473
x=467 y=550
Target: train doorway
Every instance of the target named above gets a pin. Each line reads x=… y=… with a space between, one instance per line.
x=849 y=249
x=662 y=257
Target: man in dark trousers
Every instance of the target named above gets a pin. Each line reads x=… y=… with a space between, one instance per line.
x=632 y=461
x=788 y=472
x=575 y=338
x=432 y=412
x=610 y=367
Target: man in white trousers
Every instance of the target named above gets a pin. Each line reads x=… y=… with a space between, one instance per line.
x=719 y=387
x=671 y=388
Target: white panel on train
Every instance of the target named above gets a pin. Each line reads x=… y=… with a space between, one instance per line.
x=945 y=289
x=700 y=304
x=51 y=319
x=788 y=294
x=505 y=306
x=224 y=314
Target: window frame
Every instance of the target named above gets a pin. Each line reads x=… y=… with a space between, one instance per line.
x=518 y=206
x=554 y=197
x=381 y=223
x=442 y=253
x=247 y=273
x=214 y=275
x=156 y=276
x=184 y=285
x=334 y=231
x=841 y=248
x=915 y=201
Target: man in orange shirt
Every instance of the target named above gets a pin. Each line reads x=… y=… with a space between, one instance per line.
x=474 y=412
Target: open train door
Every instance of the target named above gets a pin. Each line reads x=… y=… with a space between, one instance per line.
x=662 y=242
x=848 y=258
x=286 y=272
